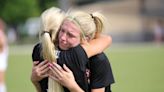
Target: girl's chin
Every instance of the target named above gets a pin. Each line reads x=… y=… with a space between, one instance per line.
x=63 y=48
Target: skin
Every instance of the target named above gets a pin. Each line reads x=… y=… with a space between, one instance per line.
x=2 y=77
x=69 y=35
x=39 y=71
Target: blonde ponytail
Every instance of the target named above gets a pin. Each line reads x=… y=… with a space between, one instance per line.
x=48 y=48
x=99 y=20
x=51 y=20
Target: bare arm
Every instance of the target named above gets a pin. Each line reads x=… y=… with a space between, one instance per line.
x=37 y=86
x=97 y=45
x=38 y=73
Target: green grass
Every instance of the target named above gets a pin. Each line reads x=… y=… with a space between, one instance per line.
x=19 y=69
x=136 y=68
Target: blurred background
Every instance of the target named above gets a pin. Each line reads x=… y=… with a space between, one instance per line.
x=136 y=26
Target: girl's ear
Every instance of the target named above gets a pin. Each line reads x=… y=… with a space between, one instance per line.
x=88 y=38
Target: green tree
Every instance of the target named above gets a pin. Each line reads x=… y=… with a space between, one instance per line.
x=44 y=4
x=17 y=11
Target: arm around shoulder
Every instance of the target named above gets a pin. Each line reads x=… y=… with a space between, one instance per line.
x=97 y=45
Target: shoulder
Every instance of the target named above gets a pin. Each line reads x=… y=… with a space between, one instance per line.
x=74 y=54
x=78 y=50
x=99 y=57
x=37 y=46
x=78 y=47
x=100 y=61
x=36 y=53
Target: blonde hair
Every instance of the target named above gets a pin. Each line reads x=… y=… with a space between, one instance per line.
x=51 y=20
x=90 y=24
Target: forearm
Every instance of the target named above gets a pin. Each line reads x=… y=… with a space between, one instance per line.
x=102 y=42
x=98 y=90
x=37 y=86
x=97 y=45
x=76 y=88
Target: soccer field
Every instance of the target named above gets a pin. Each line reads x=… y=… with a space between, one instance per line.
x=136 y=68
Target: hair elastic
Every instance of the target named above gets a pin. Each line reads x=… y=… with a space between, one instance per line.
x=92 y=16
x=43 y=32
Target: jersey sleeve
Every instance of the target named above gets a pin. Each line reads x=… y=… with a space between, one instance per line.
x=36 y=54
x=101 y=72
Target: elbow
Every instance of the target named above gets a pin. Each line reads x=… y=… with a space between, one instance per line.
x=109 y=38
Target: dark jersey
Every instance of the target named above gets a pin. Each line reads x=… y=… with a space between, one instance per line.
x=101 y=72
x=76 y=60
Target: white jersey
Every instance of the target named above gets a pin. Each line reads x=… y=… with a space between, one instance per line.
x=3 y=59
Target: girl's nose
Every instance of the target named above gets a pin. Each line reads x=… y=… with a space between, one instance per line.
x=63 y=37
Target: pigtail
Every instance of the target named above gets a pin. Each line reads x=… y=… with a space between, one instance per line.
x=48 y=48
x=99 y=22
